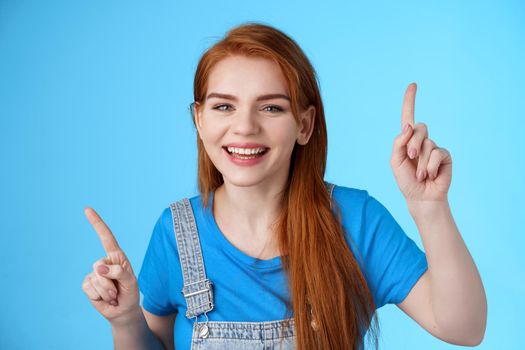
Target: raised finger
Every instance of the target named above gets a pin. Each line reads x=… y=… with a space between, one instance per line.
x=416 y=141
x=104 y=233
x=407 y=111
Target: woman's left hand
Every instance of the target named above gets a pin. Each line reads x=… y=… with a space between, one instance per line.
x=423 y=170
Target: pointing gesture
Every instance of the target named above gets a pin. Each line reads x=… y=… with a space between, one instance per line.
x=423 y=170
x=112 y=287
x=104 y=233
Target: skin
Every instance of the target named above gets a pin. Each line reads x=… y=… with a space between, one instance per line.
x=448 y=300
x=250 y=194
x=114 y=273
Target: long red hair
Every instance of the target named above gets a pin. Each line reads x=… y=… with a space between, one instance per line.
x=325 y=281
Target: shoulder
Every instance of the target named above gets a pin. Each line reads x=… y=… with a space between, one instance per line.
x=364 y=218
x=166 y=216
x=358 y=201
x=164 y=227
x=349 y=195
x=163 y=235
x=350 y=201
x=350 y=204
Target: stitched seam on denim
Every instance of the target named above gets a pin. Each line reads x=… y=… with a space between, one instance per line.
x=194 y=273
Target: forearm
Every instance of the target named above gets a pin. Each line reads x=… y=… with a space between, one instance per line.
x=135 y=335
x=457 y=294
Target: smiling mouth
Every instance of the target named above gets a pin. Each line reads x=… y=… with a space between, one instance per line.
x=246 y=156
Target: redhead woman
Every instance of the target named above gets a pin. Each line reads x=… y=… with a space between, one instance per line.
x=269 y=255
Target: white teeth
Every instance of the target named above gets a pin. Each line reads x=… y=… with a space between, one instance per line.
x=245 y=150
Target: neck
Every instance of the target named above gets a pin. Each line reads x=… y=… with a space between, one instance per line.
x=251 y=210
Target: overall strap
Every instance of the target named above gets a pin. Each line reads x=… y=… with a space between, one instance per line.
x=197 y=289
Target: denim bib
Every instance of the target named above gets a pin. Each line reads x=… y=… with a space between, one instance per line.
x=198 y=293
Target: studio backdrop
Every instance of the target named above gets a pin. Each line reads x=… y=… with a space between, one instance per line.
x=94 y=99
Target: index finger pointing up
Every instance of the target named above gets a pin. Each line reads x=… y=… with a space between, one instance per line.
x=104 y=233
x=407 y=113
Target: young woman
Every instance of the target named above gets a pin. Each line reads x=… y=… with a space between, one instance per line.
x=269 y=255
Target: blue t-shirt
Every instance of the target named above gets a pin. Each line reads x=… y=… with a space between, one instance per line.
x=252 y=290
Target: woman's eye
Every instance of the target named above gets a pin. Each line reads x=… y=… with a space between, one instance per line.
x=276 y=109
x=226 y=108
x=221 y=109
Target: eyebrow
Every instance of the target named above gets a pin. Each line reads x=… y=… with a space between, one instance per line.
x=260 y=98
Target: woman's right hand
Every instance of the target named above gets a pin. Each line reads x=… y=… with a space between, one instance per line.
x=121 y=306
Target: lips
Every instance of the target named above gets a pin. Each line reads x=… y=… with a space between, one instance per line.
x=250 y=145
x=246 y=145
x=261 y=153
x=243 y=160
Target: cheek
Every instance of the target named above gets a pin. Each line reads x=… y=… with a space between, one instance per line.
x=285 y=134
x=211 y=132
x=212 y=137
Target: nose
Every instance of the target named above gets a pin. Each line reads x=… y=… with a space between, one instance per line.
x=246 y=123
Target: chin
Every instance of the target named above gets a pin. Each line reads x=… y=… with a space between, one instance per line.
x=243 y=181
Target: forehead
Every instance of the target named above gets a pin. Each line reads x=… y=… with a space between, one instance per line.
x=246 y=77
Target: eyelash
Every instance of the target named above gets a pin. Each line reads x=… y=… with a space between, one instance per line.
x=277 y=108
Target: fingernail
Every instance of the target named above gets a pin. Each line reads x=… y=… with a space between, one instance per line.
x=412 y=153
x=113 y=302
x=406 y=128
x=112 y=293
x=103 y=269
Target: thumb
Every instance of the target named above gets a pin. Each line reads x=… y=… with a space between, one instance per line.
x=117 y=272
x=399 y=151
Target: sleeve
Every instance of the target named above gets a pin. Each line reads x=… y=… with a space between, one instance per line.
x=153 y=280
x=393 y=261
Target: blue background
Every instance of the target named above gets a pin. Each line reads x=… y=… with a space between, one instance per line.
x=94 y=102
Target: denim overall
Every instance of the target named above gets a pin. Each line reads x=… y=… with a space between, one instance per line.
x=197 y=290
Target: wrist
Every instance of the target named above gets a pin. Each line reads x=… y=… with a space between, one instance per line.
x=427 y=210
x=130 y=320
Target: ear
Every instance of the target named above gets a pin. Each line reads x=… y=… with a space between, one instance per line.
x=197 y=116
x=306 y=125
